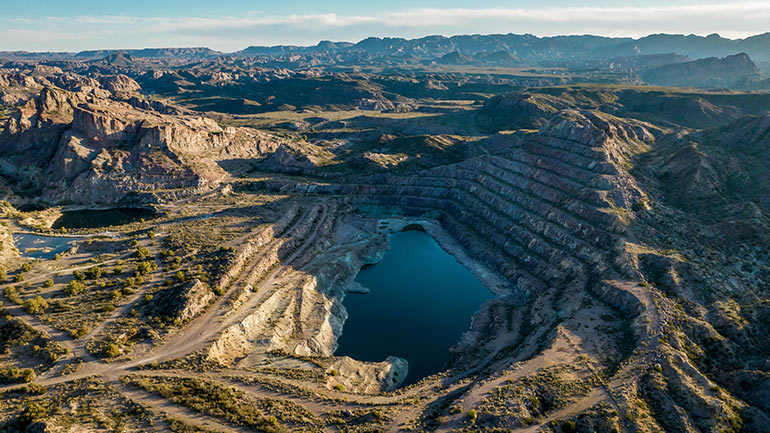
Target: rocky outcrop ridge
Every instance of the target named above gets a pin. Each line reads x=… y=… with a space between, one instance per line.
x=196 y=297
x=85 y=148
x=737 y=71
x=545 y=210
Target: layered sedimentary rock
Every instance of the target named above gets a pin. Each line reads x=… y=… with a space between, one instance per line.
x=84 y=148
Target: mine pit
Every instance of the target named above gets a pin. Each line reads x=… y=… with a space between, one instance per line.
x=419 y=303
x=98 y=218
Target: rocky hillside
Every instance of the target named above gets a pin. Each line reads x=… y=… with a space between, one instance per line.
x=736 y=72
x=98 y=147
x=621 y=230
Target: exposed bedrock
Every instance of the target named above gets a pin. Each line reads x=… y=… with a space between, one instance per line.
x=541 y=214
x=85 y=148
x=302 y=311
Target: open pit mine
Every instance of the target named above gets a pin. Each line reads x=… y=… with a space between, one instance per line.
x=197 y=242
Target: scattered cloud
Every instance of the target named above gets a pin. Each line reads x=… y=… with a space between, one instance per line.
x=228 y=33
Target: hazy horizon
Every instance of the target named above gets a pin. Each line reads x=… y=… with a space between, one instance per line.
x=381 y=37
x=87 y=25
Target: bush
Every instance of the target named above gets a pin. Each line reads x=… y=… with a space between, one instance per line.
x=12 y=294
x=26 y=267
x=73 y=288
x=472 y=415
x=36 y=389
x=79 y=275
x=213 y=399
x=111 y=350
x=16 y=375
x=180 y=276
x=144 y=268
x=32 y=412
x=94 y=273
x=142 y=253
x=568 y=426
x=48 y=283
x=117 y=270
x=80 y=332
x=35 y=305
x=18 y=278
x=339 y=387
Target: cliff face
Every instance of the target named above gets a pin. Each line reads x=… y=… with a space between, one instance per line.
x=85 y=148
x=737 y=71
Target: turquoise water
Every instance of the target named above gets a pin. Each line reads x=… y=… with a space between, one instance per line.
x=42 y=247
x=90 y=218
x=419 y=304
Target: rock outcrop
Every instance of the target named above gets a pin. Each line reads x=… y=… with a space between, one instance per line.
x=737 y=71
x=84 y=148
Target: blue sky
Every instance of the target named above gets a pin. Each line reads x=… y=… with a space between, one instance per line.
x=74 y=25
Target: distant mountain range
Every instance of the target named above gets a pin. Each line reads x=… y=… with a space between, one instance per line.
x=737 y=71
x=507 y=48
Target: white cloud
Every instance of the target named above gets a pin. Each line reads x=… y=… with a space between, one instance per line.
x=227 y=33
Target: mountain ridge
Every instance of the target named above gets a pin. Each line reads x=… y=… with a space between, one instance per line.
x=528 y=47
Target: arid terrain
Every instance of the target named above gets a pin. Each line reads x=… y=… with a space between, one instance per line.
x=180 y=229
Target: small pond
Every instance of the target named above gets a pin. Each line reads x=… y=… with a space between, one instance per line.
x=419 y=304
x=91 y=218
x=42 y=247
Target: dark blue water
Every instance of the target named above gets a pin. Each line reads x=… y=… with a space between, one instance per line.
x=90 y=218
x=420 y=303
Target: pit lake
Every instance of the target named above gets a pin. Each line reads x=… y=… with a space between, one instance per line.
x=42 y=247
x=97 y=218
x=419 y=304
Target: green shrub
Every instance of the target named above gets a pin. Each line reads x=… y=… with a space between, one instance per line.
x=16 y=375
x=111 y=350
x=472 y=415
x=36 y=389
x=32 y=412
x=48 y=283
x=35 y=305
x=142 y=253
x=80 y=332
x=73 y=288
x=144 y=268
x=94 y=273
x=26 y=267
x=213 y=399
x=568 y=426
x=12 y=294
